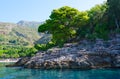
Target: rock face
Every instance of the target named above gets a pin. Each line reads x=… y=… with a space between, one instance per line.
x=82 y=55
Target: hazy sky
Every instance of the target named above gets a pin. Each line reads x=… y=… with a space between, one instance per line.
x=38 y=10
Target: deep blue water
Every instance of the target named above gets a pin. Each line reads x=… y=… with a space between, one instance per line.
x=20 y=73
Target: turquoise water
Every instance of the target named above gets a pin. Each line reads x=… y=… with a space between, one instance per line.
x=20 y=73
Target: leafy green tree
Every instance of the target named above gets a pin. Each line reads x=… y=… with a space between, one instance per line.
x=114 y=13
x=97 y=15
x=63 y=24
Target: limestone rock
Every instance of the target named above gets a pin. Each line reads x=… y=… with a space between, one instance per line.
x=84 y=55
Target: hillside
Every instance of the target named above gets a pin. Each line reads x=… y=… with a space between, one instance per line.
x=18 y=40
x=14 y=34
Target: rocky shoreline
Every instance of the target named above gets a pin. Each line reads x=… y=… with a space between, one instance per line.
x=82 y=55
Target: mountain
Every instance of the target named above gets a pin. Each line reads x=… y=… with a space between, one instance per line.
x=32 y=24
x=16 y=34
x=18 y=39
x=23 y=33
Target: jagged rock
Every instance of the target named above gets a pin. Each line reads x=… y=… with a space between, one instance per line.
x=21 y=62
x=86 y=55
x=116 y=61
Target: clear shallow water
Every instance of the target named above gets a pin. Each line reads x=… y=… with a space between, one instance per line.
x=20 y=73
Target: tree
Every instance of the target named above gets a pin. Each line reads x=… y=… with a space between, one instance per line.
x=114 y=13
x=97 y=15
x=63 y=24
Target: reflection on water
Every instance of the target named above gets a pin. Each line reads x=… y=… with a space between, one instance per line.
x=20 y=73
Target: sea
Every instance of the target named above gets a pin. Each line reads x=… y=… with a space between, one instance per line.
x=23 y=73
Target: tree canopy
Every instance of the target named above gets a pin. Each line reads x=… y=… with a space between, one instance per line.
x=63 y=23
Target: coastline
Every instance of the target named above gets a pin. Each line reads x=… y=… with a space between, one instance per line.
x=82 y=55
x=8 y=60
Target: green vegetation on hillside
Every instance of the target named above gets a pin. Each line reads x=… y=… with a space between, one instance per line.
x=16 y=51
x=67 y=24
x=17 y=41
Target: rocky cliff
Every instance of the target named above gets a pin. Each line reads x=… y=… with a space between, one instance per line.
x=82 y=55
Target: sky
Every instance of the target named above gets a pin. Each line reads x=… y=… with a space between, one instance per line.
x=38 y=10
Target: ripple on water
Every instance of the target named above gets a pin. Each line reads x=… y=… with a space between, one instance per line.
x=20 y=73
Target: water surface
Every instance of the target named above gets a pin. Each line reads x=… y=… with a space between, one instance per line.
x=21 y=73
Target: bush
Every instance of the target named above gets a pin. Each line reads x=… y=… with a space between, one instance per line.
x=16 y=51
x=101 y=31
x=44 y=47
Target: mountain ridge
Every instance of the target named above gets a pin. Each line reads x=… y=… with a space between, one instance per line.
x=10 y=32
x=33 y=24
